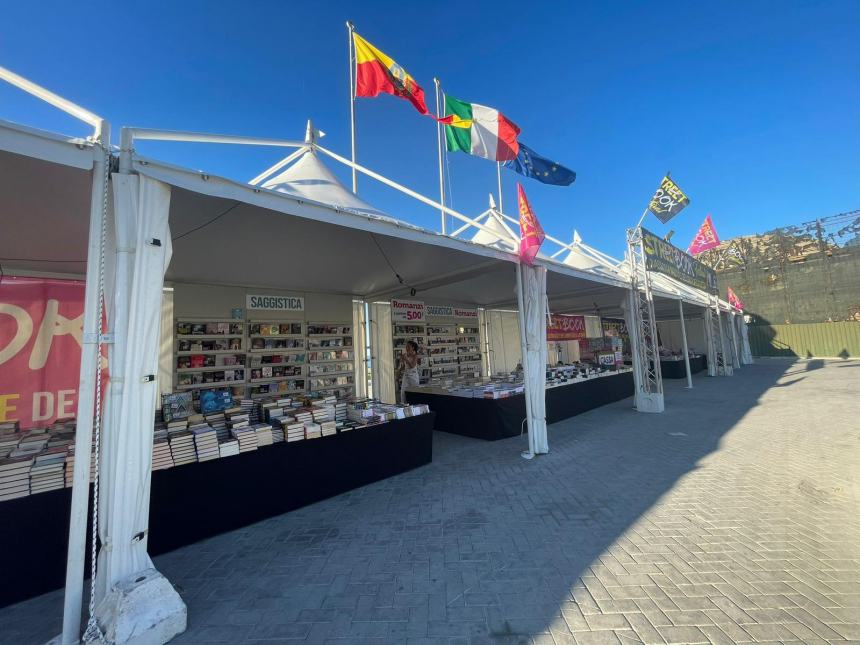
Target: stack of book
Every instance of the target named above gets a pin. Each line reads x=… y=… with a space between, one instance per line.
x=313 y=431
x=15 y=477
x=31 y=442
x=47 y=472
x=250 y=407
x=277 y=432
x=303 y=415
x=264 y=434
x=161 y=457
x=229 y=448
x=340 y=411
x=8 y=442
x=70 y=467
x=218 y=422
x=295 y=431
x=328 y=428
x=182 y=447
x=206 y=442
x=246 y=437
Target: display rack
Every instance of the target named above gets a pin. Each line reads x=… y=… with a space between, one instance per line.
x=469 y=349
x=210 y=353
x=331 y=367
x=442 y=349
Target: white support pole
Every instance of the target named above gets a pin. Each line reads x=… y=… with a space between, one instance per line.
x=439 y=135
x=727 y=359
x=686 y=350
x=499 y=178
x=90 y=357
x=736 y=359
x=642 y=219
x=351 y=29
x=524 y=355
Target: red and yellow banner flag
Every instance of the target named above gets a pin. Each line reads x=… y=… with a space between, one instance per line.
x=377 y=73
x=531 y=233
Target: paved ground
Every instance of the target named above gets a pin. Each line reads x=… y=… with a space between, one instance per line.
x=732 y=517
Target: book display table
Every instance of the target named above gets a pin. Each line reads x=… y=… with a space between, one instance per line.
x=493 y=419
x=201 y=500
x=677 y=369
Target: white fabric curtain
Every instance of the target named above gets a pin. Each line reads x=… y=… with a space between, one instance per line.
x=360 y=344
x=732 y=321
x=141 y=253
x=534 y=318
x=504 y=348
x=382 y=349
x=483 y=342
x=708 y=322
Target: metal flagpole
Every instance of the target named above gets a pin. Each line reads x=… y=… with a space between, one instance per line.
x=439 y=148
x=351 y=29
x=499 y=177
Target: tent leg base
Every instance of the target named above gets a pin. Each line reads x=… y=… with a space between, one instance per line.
x=649 y=402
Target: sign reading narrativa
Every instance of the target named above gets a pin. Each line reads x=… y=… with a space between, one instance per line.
x=275 y=303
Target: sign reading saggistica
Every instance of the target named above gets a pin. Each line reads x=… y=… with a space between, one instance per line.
x=275 y=303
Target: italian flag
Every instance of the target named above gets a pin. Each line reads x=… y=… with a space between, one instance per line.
x=479 y=130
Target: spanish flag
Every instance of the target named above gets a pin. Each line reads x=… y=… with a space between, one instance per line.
x=375 y=72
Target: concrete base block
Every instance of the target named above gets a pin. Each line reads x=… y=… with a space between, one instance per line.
x=649 y=402
x=143 y=609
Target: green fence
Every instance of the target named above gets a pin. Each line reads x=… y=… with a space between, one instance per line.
x=837 y=339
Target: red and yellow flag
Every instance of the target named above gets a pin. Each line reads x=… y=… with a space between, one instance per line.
x=531 y=232
x=376 y=73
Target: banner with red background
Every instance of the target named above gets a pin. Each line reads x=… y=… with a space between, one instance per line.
x=41 y=327
x=565 y=327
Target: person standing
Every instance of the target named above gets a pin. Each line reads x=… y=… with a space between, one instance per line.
x=409 y=368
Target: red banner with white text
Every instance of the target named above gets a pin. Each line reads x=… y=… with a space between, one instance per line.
x=565 y=327
x=41 y=327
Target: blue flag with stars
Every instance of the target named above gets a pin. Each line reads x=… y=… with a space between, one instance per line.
x=531 y=164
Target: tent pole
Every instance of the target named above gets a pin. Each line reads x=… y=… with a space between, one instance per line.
x=351 y=29
x=524 y=357
x=499 y=179
x=684 y=338
x=439 y=149
x=90 y=357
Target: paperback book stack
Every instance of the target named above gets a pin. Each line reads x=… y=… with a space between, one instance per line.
x=246 y=437
x=277 y=431
x=303 y=415
x=161 y=456
x=47 y=471
x=182 y=447
x=218 y=422
x=15 y=477
x=328 y=428
x=264 y=434
x=250 y=407
x=8 y=441
x=206 y=442
x=313 y=431
x=70 y=467
x=340 y=411
x=295 y=431
x=228 y=448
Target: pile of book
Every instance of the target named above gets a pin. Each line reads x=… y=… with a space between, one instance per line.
x=218 y=422
x=328 y=428
x=182 y=446
x=161 y=456
x=264 y=434
x=47 y=470
x=15 y=477
x=312 y=430
x=246 y=437
x=228 y=448
x=295 y=431
x=205 y=441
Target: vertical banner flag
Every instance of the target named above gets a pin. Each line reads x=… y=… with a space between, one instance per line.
x=376 y=72
x=41 y=329
x=668 y=200
x=734 y=301
x=479 y=130
x=705 y=239
x=531 y=233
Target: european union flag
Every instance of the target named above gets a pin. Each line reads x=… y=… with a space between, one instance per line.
x=531 y=164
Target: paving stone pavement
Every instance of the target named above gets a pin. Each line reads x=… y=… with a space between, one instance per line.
x=732 y=517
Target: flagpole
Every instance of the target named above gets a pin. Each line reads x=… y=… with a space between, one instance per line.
x=439 y=148
x=499 y=178
x=351 y=28
x=644 y=213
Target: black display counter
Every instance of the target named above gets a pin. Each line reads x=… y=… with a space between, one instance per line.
x=494 y=419
x=677 y=369
x=196 y=501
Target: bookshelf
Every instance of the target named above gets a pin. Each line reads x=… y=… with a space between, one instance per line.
x=210 y=353
x=331 y=367
x=468 y=349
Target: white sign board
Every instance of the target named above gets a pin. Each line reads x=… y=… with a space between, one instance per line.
x=275 y=303
x=407 y=311
x=465 y=313
x=439 y=311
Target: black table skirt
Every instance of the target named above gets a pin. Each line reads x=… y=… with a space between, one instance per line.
x=200 y=500
x=677 y=369
x=494 y=419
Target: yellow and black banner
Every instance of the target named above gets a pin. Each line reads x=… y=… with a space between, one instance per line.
x=668 y=201
x=662 y=257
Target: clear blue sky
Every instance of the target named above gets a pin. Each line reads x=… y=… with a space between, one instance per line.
x=753 y=106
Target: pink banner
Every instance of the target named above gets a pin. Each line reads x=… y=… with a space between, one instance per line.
x=41 y=326
x=705 y=239
x=734 y=301
x=531 y=233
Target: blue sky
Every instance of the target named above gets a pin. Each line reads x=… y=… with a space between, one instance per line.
x=753 y=106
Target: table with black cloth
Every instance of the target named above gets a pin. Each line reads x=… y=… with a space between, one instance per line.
x=494 y=419
x=195 y=501
x=677 y=369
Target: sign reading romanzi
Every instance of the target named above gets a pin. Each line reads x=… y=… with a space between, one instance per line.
x=662 y=257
